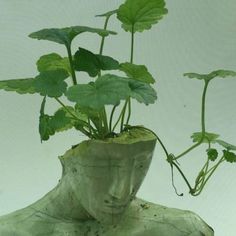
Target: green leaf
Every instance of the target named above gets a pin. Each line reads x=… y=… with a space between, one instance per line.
x=45 y=129
x=212 y=154
x=108 y=14
x=212 y=75
x=85 y=60
x=107 y=89
x=229 y=156
x=137 y=72
x=142 y=92
x=66 y=35
x=226 y=145
x=107 y=63
x=51 y=83
x=209 y=137
x=53 y=61
x=61 y=121
x=140 y=15
x=21 y=86
x=88 y=113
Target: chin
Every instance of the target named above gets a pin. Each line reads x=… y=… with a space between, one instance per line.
x=109 y=217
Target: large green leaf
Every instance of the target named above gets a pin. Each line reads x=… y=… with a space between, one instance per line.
x=53 y=61
x=66 y=35
x=51 y=83
x=140 y=15
x=137 y=72
x=91 y=63
x=142 y=92
x=212 y=75
x=209 y=137
x=107 y=89
x=21 y=86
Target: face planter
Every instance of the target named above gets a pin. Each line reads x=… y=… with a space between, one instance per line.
x=109 y=174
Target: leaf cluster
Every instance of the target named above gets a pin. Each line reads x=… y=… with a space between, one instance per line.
x=102 y=92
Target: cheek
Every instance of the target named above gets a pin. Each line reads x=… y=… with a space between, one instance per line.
x=93 y=192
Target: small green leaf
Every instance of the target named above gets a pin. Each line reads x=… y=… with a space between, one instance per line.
x=107 y=89
x=140 y=15
x=137 y=72
x=229 y=156
x=21 y=86
x=212 y=154
x=212 y=75
x=45 y=130
x=209 y=137
x=85 y=60
x=226 y=145
x=53 y=61
x=51 y=83
x=108 y=14
x=142 y=92
x=66 y=35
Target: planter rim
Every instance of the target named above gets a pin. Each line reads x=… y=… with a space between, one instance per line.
x=131 y=136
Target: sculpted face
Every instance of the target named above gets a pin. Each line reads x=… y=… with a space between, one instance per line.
x=109 y=178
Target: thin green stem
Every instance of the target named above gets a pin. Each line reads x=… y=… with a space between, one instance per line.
x=71 y=64
x=208 y=177
x=123 y=116
x=73 y=115
x=202 y=123
x=105 y=120
x=103 y=37
x=182 y=174
x=129 y=111
x=111 y=117
x=203 y=109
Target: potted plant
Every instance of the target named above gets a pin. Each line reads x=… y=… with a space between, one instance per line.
x=96 y=194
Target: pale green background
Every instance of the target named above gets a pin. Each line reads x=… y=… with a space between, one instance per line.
x=196 y=36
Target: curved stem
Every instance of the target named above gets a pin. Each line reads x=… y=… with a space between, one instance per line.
x=105 y=120
x=73 y=115
x=103 y=37
x=71 y=64
x=129 y=111
x=111 y=117
x=209 y=176
x=202 y=123
x=123 y=116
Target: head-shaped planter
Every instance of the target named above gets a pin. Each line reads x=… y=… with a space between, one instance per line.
x=107 y=174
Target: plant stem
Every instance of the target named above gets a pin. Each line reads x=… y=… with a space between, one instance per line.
x=73 y=115
x=202 y=123
x=103 y=37
x=71 y=65
x=129 y=111
x=123 y=116
x=128 y=100
x=111 y=117
x=209 y=176
x=105 y=120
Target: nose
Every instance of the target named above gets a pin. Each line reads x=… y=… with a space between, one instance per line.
x=121 y=186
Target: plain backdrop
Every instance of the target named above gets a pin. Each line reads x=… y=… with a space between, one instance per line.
x=196 y=36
